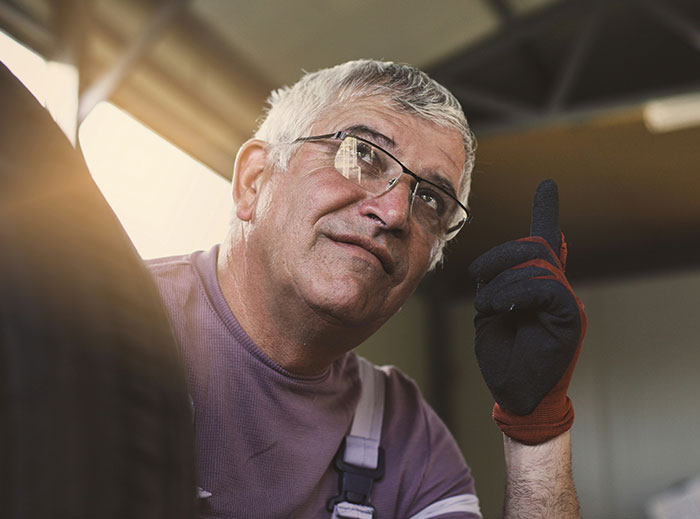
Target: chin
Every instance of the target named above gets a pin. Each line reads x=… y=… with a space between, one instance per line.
x=350 y=303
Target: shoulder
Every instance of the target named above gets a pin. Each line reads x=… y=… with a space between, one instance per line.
x=163 y=268
x=405 y=402
x=409 y=411
x=176 y=278
x=434 y=471
x=400 y=385
x=174 y=271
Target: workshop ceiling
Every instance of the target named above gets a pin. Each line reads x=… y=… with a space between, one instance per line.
x=285 y=37
x=552 y=88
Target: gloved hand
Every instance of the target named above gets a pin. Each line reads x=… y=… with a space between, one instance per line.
x=529 y=326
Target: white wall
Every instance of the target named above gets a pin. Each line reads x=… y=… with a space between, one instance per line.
x=636 y=392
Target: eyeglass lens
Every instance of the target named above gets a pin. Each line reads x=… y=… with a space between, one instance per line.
x=376 y=171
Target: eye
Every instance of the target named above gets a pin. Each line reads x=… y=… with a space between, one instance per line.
x=365 y=152
x=431 y=198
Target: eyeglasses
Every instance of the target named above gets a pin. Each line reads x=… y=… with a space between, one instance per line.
x=375 y=170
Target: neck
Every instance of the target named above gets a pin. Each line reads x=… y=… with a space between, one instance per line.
x=290 y=333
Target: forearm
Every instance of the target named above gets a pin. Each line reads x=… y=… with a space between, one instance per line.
x=539 y=483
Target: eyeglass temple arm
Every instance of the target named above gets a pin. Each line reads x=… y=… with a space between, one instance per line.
x=336 y=135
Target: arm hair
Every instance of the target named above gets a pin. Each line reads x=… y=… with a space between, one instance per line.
x=539 y=482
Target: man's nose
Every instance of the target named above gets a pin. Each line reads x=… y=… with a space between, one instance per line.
x=392 y=207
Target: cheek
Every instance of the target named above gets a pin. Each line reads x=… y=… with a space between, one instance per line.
x=264 y=204
x=326 y=192
x=418 y=259
x=416 y=272
x=296 y=203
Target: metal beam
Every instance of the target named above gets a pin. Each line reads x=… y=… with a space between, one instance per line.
x=502 y=9
x=64 y=64
x=22 y=27
x=194 y=136
x=493 y=103
x=581 y=112
x=104 y=86
x=677 y=22
x=512 y=34
x=573 y=63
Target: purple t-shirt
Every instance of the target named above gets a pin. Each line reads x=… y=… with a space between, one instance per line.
x=267 y=438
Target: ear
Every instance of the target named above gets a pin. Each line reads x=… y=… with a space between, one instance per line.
x=248 y=177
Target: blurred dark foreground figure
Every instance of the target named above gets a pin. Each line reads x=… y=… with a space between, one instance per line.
x=95 y=420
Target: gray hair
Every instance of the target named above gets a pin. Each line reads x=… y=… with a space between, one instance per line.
x=294 y=109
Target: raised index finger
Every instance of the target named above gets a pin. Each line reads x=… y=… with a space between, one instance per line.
x=545 y=214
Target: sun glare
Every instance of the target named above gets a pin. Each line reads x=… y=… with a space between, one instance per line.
x=168 y=202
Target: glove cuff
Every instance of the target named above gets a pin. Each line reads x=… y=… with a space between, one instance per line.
x=546 y=422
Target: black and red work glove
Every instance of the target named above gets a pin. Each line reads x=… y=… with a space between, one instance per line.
x=529 y=326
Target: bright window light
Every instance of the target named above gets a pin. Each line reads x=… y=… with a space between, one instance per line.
x=673 y=113
x=62 y=97
x=27 y=66
x=168 y=202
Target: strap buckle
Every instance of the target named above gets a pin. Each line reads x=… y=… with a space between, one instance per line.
x=355 y=483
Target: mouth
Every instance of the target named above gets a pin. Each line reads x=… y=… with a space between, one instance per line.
x=378 y=251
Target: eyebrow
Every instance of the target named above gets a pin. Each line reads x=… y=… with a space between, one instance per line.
x=362 y=130
x=440 y=181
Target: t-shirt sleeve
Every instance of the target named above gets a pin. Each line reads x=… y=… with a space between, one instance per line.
x=435 y=480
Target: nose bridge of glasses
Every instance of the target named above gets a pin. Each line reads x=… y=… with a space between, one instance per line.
x=399 y=195
x=411 y=186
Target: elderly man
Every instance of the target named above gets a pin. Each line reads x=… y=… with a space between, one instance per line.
x=344 y=199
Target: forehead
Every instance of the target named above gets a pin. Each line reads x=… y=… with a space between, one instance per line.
x=421 y=145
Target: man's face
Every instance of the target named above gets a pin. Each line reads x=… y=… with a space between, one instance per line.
x=351 y=256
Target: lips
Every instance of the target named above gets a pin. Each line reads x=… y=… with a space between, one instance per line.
x=379 y=251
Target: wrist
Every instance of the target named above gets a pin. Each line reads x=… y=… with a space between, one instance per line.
x=551 y=418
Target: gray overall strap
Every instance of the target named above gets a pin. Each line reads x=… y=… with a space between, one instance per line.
x=360 y=460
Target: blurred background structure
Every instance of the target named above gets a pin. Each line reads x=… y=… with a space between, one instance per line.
x=602 y=95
